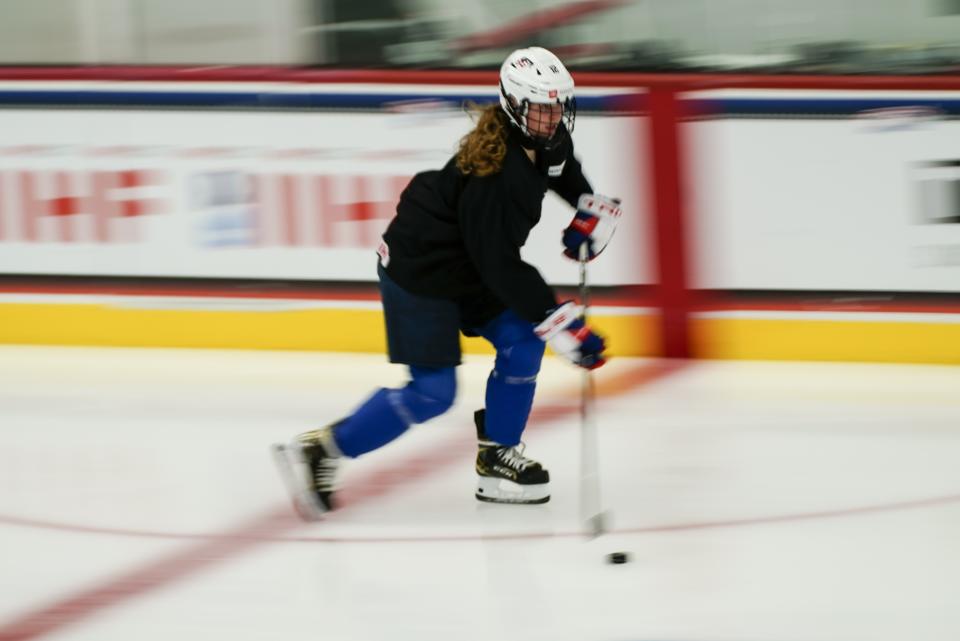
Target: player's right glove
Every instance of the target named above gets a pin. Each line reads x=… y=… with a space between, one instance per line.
x=594 y=223
x=566 y=334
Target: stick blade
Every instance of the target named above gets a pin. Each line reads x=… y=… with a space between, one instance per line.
x=598 y=524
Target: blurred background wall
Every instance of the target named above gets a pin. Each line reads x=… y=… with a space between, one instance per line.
x=153 y=31
x=817 y=35
x=792 y=217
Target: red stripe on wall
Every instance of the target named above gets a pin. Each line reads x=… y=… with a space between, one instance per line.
x=459 y=77
x=668 y=221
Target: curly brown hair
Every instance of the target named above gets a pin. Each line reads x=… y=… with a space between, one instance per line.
x=482 y=150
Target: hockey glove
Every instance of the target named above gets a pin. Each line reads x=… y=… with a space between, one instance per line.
x=565 y=332
x=594 y=223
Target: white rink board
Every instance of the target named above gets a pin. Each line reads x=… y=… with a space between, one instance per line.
x=245 y=232
x=854 y=204
x=826 y=204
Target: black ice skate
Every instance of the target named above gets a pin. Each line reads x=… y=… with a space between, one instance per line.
x=504 y=475
x=308 y=466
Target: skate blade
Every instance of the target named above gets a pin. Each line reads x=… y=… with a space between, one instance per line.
x=491 y=499
x=494 y=490
x=292 y=469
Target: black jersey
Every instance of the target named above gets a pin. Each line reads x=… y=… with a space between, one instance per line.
x=458 y=237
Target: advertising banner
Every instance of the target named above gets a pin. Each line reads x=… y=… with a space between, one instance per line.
x=262 y=194
x=847 y=191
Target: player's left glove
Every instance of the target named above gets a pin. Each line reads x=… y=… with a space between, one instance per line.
x=594 y=223
x=566 y=333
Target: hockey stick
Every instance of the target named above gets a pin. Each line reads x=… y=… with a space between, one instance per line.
x=590 y=511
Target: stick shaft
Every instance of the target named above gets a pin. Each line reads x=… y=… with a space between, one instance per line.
x=589 y=472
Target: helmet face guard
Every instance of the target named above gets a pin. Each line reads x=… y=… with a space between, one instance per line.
x=536 y=93
x=539 y=122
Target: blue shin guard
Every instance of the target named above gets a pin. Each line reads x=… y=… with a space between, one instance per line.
x=513 y=381
x=389 y=412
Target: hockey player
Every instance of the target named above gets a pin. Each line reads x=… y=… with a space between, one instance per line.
x=450 y=262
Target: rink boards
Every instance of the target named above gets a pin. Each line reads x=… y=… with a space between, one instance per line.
x=357 y=326
x=848 y=198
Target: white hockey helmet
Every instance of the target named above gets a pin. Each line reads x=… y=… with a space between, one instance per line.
x=536 y=76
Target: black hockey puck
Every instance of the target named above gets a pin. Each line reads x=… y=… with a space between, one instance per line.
x=617 y=558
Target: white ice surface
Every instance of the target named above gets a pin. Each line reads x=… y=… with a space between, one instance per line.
x=758 y=502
